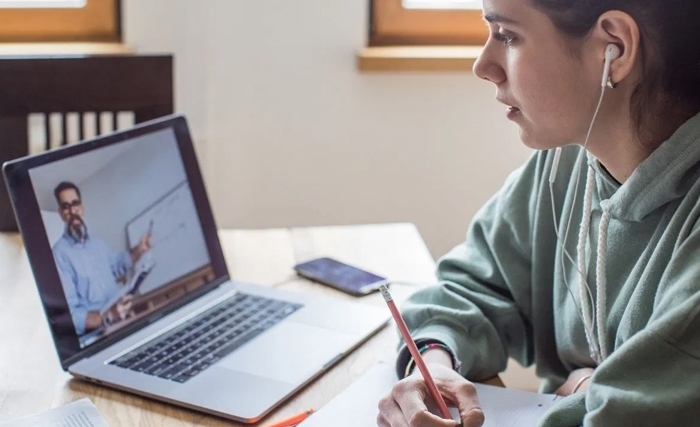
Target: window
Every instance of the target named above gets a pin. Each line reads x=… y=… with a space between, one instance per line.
x=59 y=20
x=427 y=22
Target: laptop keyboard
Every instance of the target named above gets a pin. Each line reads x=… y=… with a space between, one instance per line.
x=200 y=342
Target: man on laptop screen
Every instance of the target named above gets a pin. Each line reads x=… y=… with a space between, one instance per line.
x=92 y=273
x=141 y=244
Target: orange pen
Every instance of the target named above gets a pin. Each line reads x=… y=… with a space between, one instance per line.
x=294 y=419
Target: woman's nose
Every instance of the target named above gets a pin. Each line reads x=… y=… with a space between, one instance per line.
x=486 y=68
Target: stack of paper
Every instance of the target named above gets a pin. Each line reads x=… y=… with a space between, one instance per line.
x=357 y=405
x=81 y=413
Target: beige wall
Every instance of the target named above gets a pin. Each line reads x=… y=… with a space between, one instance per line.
x=291 y=134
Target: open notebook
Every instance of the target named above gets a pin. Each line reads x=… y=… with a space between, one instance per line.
x=357 y=405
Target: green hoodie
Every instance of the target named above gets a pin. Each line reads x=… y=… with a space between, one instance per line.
x=503 y=294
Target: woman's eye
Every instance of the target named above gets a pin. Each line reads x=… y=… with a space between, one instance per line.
x=504 y=38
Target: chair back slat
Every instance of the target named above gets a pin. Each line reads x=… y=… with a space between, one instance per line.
x=61 y=100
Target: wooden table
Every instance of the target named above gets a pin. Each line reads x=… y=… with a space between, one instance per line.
x=32 y=381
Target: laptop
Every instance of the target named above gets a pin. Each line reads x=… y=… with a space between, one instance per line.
x=124 y=250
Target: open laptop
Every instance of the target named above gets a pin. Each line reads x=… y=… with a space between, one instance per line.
x=95 y=214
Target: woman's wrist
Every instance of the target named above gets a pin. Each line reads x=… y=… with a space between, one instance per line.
x=580 y=383
x=438 y=355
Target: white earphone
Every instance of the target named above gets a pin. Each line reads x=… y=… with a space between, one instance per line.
x=611 y=52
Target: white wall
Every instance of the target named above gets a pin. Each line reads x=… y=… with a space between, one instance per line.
x=131 y=183
x=291 y=134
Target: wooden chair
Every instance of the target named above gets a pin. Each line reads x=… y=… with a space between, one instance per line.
x=86 y=88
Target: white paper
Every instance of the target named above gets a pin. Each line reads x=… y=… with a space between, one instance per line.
x=357 y=405
x=80 y=413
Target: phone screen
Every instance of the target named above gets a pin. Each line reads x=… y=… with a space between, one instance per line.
x=338 y=274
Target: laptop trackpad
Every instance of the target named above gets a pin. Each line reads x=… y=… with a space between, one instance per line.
x=289 y=352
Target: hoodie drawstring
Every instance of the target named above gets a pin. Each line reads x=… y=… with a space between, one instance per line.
x=601 y=285
x=599 y=350
x=586 y=308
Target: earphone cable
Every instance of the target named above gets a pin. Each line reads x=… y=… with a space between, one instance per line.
x=584 y=282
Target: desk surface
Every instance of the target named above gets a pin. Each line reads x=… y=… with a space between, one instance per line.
x=32 y=381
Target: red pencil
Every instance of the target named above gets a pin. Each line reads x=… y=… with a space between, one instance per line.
x=432 y=388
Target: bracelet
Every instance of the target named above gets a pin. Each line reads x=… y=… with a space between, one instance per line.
x=456 y=364
x=580 y=383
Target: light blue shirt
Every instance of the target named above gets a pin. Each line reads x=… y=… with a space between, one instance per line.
x=88 y=272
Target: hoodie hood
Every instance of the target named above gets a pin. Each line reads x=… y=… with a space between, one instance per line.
x=667 y=174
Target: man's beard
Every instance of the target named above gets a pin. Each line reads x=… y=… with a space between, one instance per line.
x=77 y=231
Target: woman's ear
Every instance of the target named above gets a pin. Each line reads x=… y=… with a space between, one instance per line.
x=620 y=29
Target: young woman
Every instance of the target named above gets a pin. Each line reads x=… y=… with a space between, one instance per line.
x=587 y=262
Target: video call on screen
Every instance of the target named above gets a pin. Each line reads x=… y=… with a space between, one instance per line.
x=124 y=231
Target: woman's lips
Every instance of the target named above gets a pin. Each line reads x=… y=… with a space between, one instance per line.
x=512 y=112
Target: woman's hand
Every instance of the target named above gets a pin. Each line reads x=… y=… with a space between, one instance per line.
x=580 y=377
x=405 y=406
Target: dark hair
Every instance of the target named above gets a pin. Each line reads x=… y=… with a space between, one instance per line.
x=669 y=45
x=65 y=185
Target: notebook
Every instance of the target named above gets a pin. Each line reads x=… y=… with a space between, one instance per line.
x=80 y=413
x=357 y=405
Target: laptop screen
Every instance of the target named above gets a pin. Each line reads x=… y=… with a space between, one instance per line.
x=124 y=231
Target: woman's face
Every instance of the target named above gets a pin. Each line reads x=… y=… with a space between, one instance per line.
x=548 y=85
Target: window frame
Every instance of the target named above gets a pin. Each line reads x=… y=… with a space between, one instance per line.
x=393 y=25
x=98 y=21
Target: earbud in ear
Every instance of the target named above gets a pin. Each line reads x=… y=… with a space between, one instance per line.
x=611 y=52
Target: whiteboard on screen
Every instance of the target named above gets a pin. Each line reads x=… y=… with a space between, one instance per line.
x=177 y=241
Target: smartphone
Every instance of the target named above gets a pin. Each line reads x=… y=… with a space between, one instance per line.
x=341 y=276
